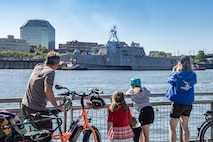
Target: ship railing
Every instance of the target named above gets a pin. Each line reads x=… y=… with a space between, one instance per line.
x=159 y=130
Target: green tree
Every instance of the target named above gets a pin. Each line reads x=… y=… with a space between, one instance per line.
x=163 y=54
x=9 y=54
x=95 y=49
x=200 y=57
x=42 y=50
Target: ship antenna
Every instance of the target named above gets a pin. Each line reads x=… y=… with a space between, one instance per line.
x=113 y=34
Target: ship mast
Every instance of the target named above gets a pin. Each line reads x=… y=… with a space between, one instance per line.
x=113 y=34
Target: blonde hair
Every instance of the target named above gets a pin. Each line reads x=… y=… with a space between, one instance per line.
x=185 y=65
x=118 y=97
x=136 y=89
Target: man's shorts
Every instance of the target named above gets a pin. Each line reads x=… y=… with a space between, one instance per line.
x=146 y=115
x=178 y=110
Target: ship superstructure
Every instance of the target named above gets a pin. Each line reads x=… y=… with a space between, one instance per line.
x=117 y=55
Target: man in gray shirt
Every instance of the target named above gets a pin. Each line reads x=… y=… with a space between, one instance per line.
x=39 y=88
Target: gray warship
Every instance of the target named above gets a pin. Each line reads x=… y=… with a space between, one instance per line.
x=117 y=55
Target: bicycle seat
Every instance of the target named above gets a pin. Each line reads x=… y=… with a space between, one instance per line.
x=53 y=111
x=210 y=112
x=47 y=113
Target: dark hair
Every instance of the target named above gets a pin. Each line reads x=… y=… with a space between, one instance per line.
x=184 y=58
x=118 y=97
x=52 y=58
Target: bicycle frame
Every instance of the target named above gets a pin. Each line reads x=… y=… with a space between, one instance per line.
x=85 y=124
x=64 y=136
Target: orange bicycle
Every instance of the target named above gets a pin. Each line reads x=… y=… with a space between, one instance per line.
x=75 y=129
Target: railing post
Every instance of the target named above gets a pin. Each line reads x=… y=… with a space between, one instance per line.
x=181 y=133
x=71 y=115
x=109 y=125
x=65 y=121
x=212 y=118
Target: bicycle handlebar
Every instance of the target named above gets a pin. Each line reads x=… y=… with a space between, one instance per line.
x=67 y=102
x=73 y=93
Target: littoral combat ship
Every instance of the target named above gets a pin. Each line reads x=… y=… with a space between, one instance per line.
x=117 y=55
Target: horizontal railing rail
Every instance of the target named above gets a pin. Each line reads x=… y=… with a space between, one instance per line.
x=158 y=130
x=17 y=101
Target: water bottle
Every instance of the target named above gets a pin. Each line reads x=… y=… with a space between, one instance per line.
x=73 y=93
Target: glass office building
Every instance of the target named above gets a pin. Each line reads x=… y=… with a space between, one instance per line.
x=39 y=33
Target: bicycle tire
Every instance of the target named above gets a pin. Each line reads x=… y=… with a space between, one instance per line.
x=76 y=133
x=206 y=134
x=13 y=137
x=88 y=132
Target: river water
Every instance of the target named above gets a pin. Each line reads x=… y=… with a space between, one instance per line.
x=13 y=81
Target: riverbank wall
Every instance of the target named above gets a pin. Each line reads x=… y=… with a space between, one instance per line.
x=18 y=64
x=29 y=64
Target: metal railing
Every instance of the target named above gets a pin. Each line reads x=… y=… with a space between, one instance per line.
x=159 y=130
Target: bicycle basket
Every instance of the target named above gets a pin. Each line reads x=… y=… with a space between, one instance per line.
x=97 y=102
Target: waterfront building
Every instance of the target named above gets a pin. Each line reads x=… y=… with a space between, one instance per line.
x=10 y=43
x=38 y=33
x=82 y=47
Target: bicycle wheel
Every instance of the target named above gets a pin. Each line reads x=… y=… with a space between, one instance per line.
x=206 y=134
x=87 y=137
x=76 y=133
x=13 y=137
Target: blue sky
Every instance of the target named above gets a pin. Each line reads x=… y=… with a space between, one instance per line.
x=175 y=26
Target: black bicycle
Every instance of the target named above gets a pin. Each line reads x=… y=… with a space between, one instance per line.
x=37 y=134
x=205 y=131
x=29 y=130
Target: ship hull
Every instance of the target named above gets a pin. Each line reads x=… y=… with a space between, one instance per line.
x=106 y=62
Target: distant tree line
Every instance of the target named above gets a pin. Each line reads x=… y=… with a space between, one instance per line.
x=200 y=57
x=12 y=54
x=163 y=54
x=41 y=52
